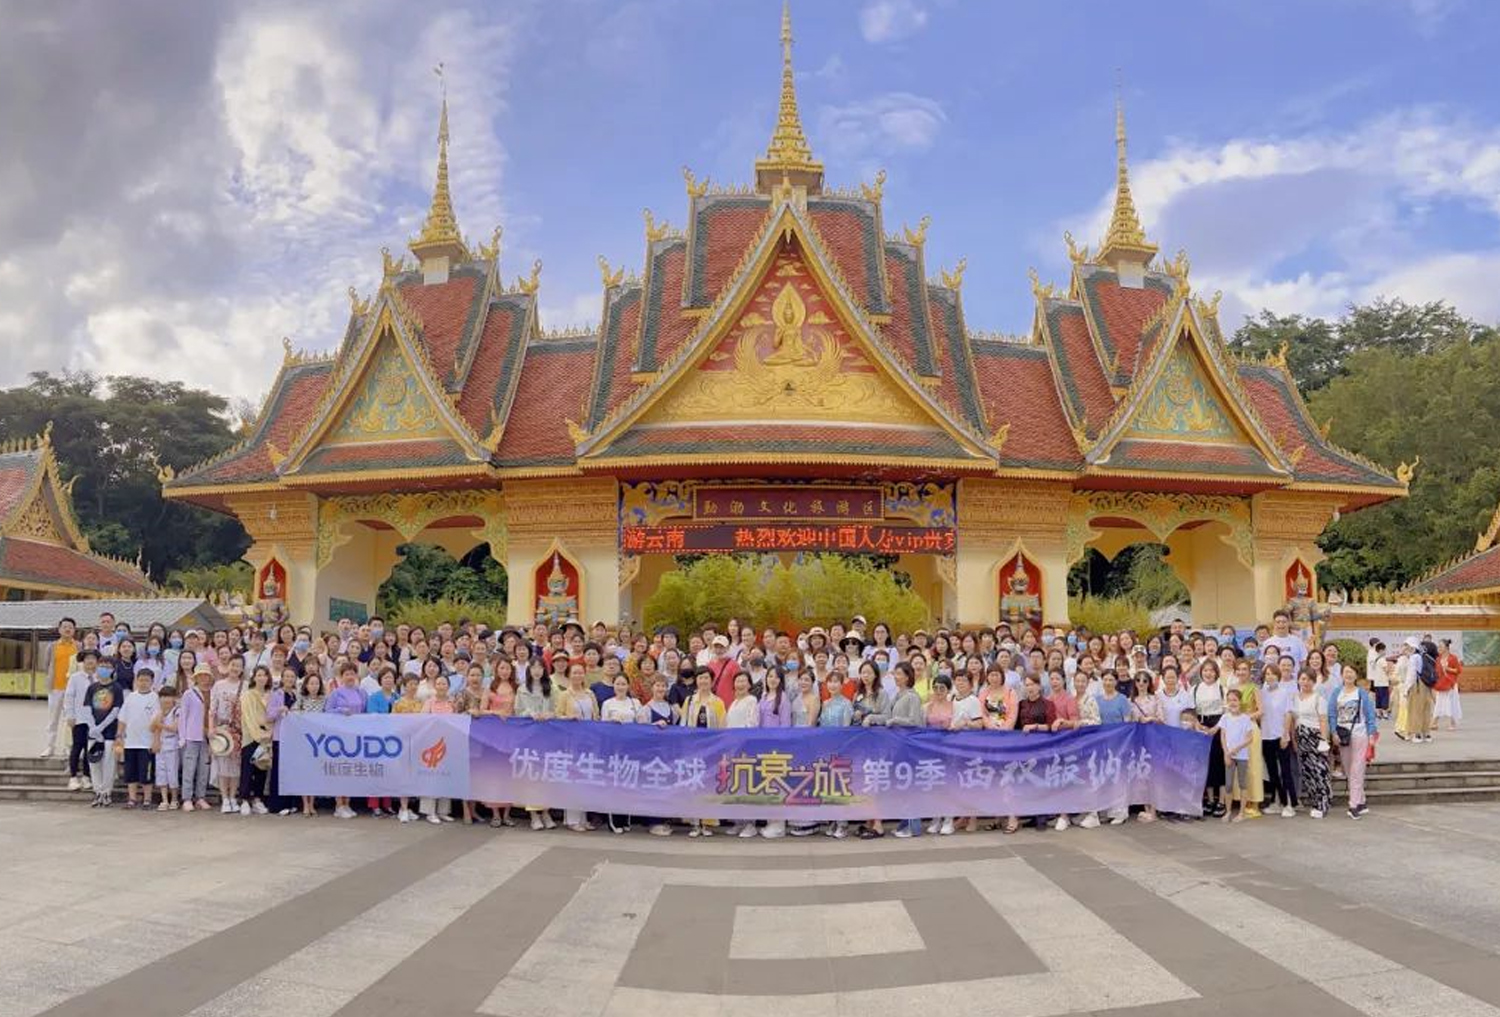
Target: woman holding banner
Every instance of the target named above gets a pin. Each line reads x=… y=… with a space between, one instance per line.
x=704 y=711
x=577 y=702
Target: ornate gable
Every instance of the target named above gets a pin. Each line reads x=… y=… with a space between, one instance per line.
x=1186 y=412
x=385 y=408
x=781 y=369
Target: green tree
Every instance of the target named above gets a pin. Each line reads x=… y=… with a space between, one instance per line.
x=1319 y=351
x=111 y=434
x=1394 y=407
x=425 y=574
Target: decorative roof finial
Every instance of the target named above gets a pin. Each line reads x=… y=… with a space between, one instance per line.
x=1125 y=237
x=788 y=154
x=440 y=236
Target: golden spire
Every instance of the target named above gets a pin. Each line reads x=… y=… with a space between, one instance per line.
x=440 y=236
x=1125 y=235
x=788 y=154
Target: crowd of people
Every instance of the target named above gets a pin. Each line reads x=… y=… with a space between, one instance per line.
x=184 y=712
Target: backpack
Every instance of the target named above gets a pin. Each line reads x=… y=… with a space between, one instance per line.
x=1427 y=670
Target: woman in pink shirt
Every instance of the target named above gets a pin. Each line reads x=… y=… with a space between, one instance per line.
x=1063 y=701
x=500 y=701
x=436 y=811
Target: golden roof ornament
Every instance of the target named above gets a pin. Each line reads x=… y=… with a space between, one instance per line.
x=872 y=192
x=695 y=188
x=1039 y=289
x=1125 y=236
x=529 y=284
x=917 y=237
x=1405 y=472
x=788 y=153
x=654 y=230
x=997 y=440
x=440 y=236
x=1278 y=359
x=610 y=279
x=491 y=251
x=954 y=280
x=1076 y=254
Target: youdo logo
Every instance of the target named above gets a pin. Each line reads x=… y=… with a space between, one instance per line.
x=333 y=746
x=435 y=753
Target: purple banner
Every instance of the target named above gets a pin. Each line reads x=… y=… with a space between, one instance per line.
x=833 y=773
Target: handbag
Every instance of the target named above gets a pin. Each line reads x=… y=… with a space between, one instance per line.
x=261 y=757
x=1345 y=735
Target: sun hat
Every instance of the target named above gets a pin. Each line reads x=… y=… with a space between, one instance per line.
x=219 y=744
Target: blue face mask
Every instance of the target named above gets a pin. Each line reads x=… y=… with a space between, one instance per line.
x=302 y=646
x=175 y=642
x=1252 y=652
x=153 y=651
x=105 y=672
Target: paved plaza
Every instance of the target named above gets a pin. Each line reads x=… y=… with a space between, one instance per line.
x=120 y=913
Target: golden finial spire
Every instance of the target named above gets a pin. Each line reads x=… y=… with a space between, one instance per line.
x=788 y=154
x=1125 y=240
x=440 y=236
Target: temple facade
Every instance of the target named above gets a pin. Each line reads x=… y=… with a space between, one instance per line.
x=43 y=553
x=784 y=375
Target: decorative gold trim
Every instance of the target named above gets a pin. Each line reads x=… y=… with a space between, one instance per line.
x=625 y=462
x=440 y=235
x=298 y=481
x=1125 y=234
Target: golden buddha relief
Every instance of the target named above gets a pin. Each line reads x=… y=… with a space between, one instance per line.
x=786 y=358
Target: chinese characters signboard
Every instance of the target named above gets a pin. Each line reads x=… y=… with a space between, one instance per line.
x=870 y=538
x=788 y=502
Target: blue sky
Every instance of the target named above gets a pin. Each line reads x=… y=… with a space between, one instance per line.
x=189 y=184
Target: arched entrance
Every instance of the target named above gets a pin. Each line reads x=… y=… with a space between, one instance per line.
x=1207 y=541
x=359 y=541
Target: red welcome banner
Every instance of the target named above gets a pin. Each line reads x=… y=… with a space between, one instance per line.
x=871 y=538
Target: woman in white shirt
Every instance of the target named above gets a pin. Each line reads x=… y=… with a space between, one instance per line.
x=1208 y=696
x=1310 y=711
x=621 y=708
x=1172 y=698
x=744 y=711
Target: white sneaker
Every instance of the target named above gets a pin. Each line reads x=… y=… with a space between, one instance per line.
x=934 y=826
x=227 y=807
x=747 y=831
x=45 y=753
x=244 y=809
x=1090 y=822
x=657 y=830
x=1316 y=813
x=74 y=784
x=773 y=831
x=259 y=808
x=1061 y=824
x=536 y=821
x=433 y=819
x=1287 y=812
x=86 y=785
x=946 y=830
x=548 y=821
x=404 y=816
x=840 y=831
x=901 y=833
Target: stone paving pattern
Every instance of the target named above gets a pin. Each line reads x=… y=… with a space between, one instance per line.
x=124 y=914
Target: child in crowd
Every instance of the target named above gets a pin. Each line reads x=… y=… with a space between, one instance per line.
x=75 y=711
x=103 y=699
x=136 y=714
x=1237 y=731
x=164 y=749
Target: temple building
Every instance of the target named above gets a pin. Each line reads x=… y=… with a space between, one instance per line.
x=43 y=554
x=784 y=375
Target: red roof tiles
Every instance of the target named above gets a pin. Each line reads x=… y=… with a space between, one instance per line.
x=17 y=473
x=1015 y=384
x=554 y=377
x=47 y=564
x=445 y=311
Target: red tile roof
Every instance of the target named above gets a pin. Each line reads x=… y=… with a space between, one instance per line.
x=1121 y=312
x=62 y=568
x=787 y=438
x=848 y=229
x=447 y=311
x=501 y=343
x=1187 y=457
x=1015 y=383
x=554 y=377
x=907 y=334
x=1083 y=377
x=383 y=455
x=1270 y=392
x=612 y=364
x=288 y=410
x=17 y=474
x=1478 y=572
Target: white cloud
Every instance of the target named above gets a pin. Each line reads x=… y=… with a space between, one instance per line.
x=885 y=125
x=891 y=20
x=1256 y=213
x=225 y=191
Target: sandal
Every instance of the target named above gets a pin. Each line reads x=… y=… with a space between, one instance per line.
x=1011 y=826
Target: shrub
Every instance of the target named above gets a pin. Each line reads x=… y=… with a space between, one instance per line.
x=431 y=614
x=235 y=577
x=817 y=590
x=1111 y=614
x=1351 y=653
